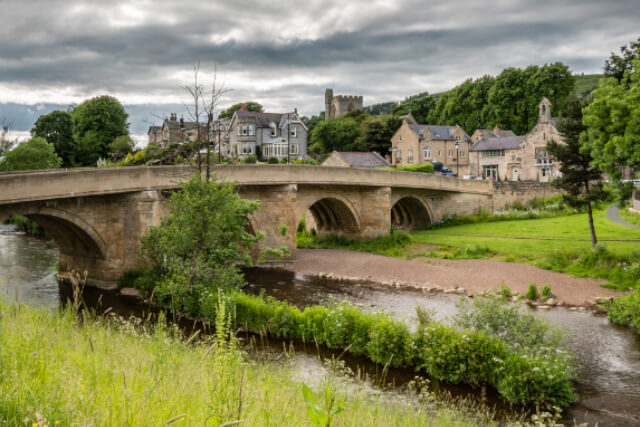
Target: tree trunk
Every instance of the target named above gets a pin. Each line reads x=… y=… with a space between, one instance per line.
x=594 y=241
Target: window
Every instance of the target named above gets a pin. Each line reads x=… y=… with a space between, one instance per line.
x=493 y=153
x=410 y=156
x=274 y=130
x=427 y=153
x=439 y=153
x=399 y=137
x=398 y=156
x=244 y=130
x=293 y=132
x=248 y=149
x=293 y=149
x=490 y=172
x=458 y=139
x=250 y=130
x=450 y=153
x=461 y=153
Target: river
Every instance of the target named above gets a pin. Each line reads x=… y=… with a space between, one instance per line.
x=609 y=380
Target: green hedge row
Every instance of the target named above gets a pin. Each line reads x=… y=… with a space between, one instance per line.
x=625 y=310
x=445 y=353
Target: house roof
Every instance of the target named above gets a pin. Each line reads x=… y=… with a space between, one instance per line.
x=493 y=133
x=358 y=159
x=499 y=143
x=262 y=119
x=154 y=129
x=439 y=132
x=175 y=124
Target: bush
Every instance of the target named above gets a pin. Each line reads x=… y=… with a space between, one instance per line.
x=482 y=352
x=423 y=168
x=273 y=161
x=625 y=310
x=532 y=292
x=546 y=291
x=503 y=290
x=251 y=159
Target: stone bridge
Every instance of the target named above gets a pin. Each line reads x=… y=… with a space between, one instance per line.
x=97 y=215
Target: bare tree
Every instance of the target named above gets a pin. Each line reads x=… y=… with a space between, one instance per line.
x=195 y=91
x=210 y=102
x=5 y=143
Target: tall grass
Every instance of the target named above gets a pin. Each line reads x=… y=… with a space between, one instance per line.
x=59 y=370
x=391 y=245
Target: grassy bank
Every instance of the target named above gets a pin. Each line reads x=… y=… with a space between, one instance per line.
x=559 y=243
x=57 y=371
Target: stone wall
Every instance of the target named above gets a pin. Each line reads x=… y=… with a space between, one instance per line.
x=506 y=193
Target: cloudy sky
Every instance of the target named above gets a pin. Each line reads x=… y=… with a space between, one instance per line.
x=284 y=54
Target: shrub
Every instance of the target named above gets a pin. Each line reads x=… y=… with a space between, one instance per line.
x=251 y=159
x=128 y=278
x=503 y=290
x=139 y=157
x=273 y=161
x=546 y=291
x=532 y=292
x=625 y=310
x=423 y=168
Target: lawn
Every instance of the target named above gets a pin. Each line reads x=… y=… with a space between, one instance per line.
x=528 y=240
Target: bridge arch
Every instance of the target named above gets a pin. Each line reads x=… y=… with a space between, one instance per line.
x=409 y=213
x=73 y=235
x=333 y=214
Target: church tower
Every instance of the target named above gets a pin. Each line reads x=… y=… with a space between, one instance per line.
x=544 y=111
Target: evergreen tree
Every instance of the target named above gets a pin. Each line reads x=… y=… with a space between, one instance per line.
x=580 y=180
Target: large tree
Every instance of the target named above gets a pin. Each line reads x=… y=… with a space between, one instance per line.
x=613 y=127
x=97 y=122
x=419 y=107
x=335 y=134
x=36 y=153
x=580 y=180
x=250 y=106
x=617 y=65
x=57 y=128
x=376 y=133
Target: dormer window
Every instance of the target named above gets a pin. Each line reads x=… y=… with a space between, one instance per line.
x=274 y=129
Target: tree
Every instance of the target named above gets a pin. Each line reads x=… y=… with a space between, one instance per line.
x=335 y=134
x=36 y=153
x=580 y=179
x=418 y=107
x=313 y=121
x=250 y=105
x=97 y=122
x=376 y=133
x=198 y=246
x=57 y=128
x=613 y=127
x=5 y=142
x=122 y=145
x=617 y=65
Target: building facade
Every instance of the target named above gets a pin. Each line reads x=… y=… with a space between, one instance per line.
x=419 y=143
x=266 y=135
x=339 y=105
x=519 y=158
x=176 y=131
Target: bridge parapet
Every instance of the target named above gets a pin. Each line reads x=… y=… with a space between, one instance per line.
x=16 y=187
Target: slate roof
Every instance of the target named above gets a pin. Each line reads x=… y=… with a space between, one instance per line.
x=358 y=159
x=171 y=124
x=491 y=133
x=154 y=129
x=438 y=132
x=504 y=143
x=262 y=119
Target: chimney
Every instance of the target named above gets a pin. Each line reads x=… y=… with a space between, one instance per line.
x=181 y=121
x=295 y=111
x=173 y=117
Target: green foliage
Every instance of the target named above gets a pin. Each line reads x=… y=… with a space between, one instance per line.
x=456 y=355
x=57 y=128
x=97 y=122
x=532 y=292
x=251 y=159
x=335 y=135
x=613 y=127
x=122 y=145
x=321 y=416
x=25 y=224
x=503 y=290
x=273 y=161
x=423 y=168
x=36 y=153
x=390 y=245
x=545 y=291
x=116 y=372
x=197 y=246
x=625 y=310
x=617 y=66
x=250 y=105
x=419 y=107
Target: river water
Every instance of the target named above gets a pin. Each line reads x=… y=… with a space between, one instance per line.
x=609 y=380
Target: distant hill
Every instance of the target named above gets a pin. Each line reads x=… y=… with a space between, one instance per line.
x=585 y=84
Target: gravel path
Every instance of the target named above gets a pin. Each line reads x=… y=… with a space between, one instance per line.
x=473 y=275
x=613 y=213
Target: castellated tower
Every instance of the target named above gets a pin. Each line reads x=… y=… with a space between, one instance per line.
x=339 y=105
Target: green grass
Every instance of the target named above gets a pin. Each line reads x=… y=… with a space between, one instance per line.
x=630 y=217
x=60 y=371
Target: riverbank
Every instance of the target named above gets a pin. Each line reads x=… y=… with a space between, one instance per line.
x=470 y=277
x=63 y=370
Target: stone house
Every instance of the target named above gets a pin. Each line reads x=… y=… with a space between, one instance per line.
x=353 y=159
x=267 y=135
x=496 y=132
x=174 y=131
x=522 y=158
x=419 y=143
x=339 y=105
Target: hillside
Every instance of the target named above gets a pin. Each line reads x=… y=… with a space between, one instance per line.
x=585 y=84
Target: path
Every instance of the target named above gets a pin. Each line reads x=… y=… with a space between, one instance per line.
x=613 y=213
x=474 y=275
